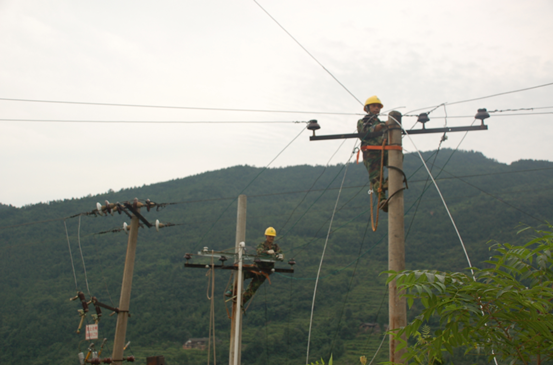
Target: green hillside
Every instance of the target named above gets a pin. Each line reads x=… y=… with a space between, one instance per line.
x=487 y=199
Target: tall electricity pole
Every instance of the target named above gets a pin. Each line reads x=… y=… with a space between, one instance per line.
x=397 y=306
x=236 y=320
x=125 y=300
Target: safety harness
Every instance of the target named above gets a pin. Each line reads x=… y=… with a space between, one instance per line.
x=380 y=190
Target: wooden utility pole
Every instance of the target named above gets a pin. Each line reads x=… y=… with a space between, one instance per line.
x=125 y=300
x=236 y=320
x=396 y=233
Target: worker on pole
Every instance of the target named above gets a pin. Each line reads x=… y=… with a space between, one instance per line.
x=268 y=247
x=372 y=156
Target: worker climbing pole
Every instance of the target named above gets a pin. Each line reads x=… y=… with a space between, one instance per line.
x=381 y=145
x=256 y=265
x=373 y=136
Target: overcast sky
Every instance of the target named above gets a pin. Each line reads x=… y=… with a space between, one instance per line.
x=232 y=55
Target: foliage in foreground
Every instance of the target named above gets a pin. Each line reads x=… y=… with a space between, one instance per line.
x=503 y=311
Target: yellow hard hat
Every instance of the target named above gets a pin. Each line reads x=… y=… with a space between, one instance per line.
x=270 y=232
x=374 y=100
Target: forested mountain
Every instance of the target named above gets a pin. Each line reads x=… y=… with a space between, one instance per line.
x=488 y=201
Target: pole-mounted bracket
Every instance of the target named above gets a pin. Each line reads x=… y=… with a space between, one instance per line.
x=412 y=131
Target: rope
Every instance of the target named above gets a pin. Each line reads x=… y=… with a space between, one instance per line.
x=71 y=256
x=82 y=258
x=321 y=263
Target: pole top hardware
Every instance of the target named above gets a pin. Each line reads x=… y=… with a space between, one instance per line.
x=313 y=125
x=423 y=118
x=481 y=115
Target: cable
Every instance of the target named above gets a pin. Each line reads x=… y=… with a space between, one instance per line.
x=486 y=97
x=312 y=185
x=378 y=350
x=321 y=263
x=302 y=47
x=333 y=343
x=286 y=193
x=82 y=258
x=150 y=121
x=172 y=107
x=441 y=196
x=265 y=168
x=71 y=255
x=495 y=197
x=472 y=116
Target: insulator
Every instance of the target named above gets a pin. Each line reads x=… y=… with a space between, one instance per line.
x=313 y=125
x=482 y=114
x=81 y=358
x=188 y=256
x=223 y=259
x=292 y=262
x=107 y=360
x=423 y=118
x=130 y=359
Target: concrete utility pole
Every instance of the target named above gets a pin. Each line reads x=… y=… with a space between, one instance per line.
x=396 y=233
x=124 y=302
x=236 y=320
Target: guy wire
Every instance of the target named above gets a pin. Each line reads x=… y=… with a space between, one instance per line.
x=321 y=263
x=71 y=256
x=82 y=258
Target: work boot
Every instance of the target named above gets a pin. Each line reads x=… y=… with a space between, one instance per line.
x=383 y=205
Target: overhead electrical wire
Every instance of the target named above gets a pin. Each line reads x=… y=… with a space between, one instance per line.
x=173 y=107
x=441 y=196
x=251 y=182
x=309 y=53
x=149 y=121
x=485 y=97
x=321 y=262
x=437 y=178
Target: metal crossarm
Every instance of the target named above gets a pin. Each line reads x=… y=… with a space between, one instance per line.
x=412 y=131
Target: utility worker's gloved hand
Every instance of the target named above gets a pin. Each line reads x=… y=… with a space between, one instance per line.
x=271 y=252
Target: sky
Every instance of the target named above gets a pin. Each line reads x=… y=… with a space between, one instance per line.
x=218 y=61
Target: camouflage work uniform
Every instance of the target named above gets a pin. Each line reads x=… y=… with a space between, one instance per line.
x=266 y=267
x=371 y=158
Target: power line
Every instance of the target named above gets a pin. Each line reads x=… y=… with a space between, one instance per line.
x=496 y=115
x=485 y=97
x=148 y=121
x=172 y=107
x=231 y=121
x=251 y=182
x=286 y=193
x=313 y=57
